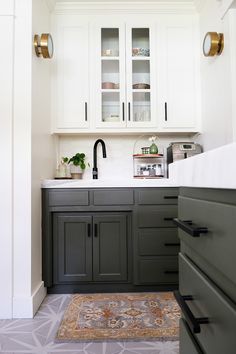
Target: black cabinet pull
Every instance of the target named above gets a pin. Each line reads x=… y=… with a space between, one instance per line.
x=168 y=219
x=189 y=227
x=89 y=230
x=123 y=111
x=86 y=111
x=193 y=322
x=129 y=111
x=166 y=111
x=171 y=272
x=96 y=230
x=170 y=197
x=172 y=244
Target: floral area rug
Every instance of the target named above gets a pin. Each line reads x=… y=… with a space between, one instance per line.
x=123 y=316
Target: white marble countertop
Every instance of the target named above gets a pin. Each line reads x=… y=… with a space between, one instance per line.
x=115 y=183
x=213 y=169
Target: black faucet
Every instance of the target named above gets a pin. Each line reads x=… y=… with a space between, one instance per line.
x=104 y=153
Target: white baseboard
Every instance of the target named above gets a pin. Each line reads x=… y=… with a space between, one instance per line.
x=26 y=307
x=6 y=307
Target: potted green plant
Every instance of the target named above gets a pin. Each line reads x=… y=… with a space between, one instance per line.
x=77 y=166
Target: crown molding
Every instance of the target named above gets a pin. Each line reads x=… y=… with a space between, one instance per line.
x=167 y=7
x=199 y=5
x=50 y=4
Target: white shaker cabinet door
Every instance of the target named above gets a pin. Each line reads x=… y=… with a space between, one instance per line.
x=70 y=75
x=179 y=104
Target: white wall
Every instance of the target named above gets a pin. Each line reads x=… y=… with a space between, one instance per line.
x=120 y=149
x=216 y=77
x=232 y=31
x=22 y=159
x=6 y=140
x=27 y=157
x=43 y=152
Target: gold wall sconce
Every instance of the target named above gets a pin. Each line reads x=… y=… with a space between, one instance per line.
x=213 y=44
x=43 y=45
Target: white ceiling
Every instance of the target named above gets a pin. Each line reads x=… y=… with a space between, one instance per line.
x=124 y=1
x=195 y=3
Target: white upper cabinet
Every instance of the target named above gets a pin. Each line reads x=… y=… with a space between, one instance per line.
x=124 y=76
x=140 y=76
x=109 y=85
x=6 y=7
x=70 y=86
x=179 y=107
x=132 y=74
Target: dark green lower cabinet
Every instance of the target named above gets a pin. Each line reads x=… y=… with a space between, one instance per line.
x=188 y=344
x=90 y=247
x=110 y=248
x=158 y=270
x=109 y=239
x=72 y=243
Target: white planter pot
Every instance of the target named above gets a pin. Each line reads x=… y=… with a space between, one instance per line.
x=76 y=172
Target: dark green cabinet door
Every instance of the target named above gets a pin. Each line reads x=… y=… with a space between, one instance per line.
x=72 y=248
x=110 y=248
x=188 y=344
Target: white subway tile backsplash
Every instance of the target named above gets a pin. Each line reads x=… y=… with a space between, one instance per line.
x=120 y=150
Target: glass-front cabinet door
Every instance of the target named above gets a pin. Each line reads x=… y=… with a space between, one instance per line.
x=111 y=78
x=124 y=77
x=140 y=77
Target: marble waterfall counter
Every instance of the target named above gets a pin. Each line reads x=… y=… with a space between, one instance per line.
x=212 y=169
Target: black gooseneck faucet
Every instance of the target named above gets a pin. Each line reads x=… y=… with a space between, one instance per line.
x=104 y=153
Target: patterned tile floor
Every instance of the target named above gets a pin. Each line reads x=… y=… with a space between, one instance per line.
x=36 y=336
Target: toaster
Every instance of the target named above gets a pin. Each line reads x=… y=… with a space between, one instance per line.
x=182 y=150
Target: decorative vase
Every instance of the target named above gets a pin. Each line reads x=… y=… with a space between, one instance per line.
x=76 y=172
x=153 y=149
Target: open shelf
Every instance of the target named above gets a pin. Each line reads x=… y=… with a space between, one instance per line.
x=148 y=155
x=149 y=177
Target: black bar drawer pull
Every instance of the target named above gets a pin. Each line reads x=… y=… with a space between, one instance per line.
x=170 y=197
x=189 y=227
x=166 y=111
x=89 y=230
x=123 y=111
x=86 y=111
x=193 y=322
x=168 y=219
x=171 y=272
x=129 y=111
x=172 y=244
x=96 y=230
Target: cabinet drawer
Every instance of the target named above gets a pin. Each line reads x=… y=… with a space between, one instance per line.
x=161 y=241
x=68 y=197
x=113 y=197
x=157 y=216
x=188 y=344
x=158 y=270
x=219 y=244
x=157 y=196
x=217 y=336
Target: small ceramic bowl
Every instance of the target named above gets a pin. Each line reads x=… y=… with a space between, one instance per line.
x=141 y=86
x=112 y=118
x=108 y=85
